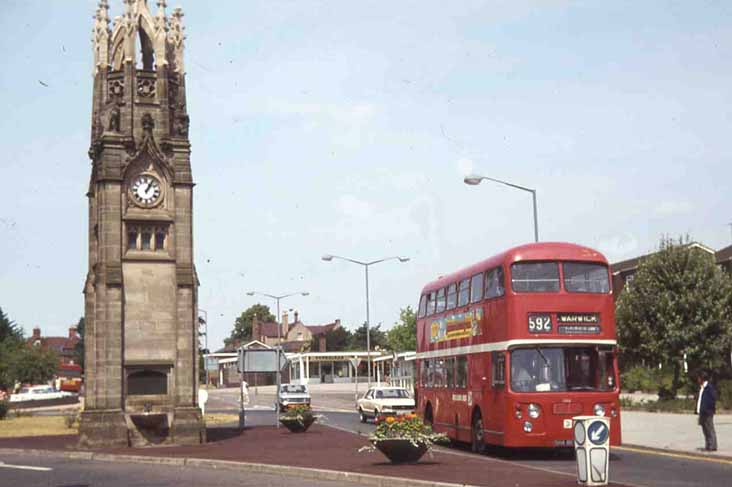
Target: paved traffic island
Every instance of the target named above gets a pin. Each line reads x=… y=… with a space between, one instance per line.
x=320 y=448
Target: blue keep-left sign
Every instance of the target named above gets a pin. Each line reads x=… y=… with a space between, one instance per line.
x=598 y=432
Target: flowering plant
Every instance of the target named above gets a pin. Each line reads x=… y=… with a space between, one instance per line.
x=300 y=414
x=406 y=427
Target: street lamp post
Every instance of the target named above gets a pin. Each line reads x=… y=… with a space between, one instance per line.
x=475 y=180
x=328 y=258
x=279 y=342
x=277 y=299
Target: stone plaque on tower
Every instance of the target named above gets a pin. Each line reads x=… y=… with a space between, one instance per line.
x=141 y=377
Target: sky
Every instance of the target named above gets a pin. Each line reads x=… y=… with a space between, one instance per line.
x=344 y=127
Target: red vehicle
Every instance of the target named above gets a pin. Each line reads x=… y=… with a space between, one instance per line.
x=513 y=347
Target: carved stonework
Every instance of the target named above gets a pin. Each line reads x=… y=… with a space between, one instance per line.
x=146 y=87
x=182 y=122
x=114 y=120
x=148 y=123
x=116 y=89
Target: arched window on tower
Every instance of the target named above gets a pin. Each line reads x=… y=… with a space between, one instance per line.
x=146 y=50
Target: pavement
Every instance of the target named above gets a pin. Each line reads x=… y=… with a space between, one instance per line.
x=658 y=431
x=322 y=453
x=329 y=454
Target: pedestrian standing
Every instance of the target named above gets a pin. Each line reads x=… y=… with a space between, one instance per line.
x=706 y=407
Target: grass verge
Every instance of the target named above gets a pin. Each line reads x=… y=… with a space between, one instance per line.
x=14 y=427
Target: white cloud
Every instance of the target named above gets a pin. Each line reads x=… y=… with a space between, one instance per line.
x=353 y=207
x=465 y=166
x=673 y=208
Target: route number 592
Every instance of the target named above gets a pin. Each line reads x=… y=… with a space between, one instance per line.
x=540 y=323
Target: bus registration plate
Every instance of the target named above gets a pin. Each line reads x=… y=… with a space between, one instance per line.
x=563 y=443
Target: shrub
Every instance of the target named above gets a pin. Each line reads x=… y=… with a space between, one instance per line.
x=725 y=394
x=670 y=406
x=4 y=408
x=639 y=379
x=72 y=420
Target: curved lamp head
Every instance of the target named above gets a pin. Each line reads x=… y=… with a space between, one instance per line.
x=305 y=293
x=403 y=259
x=327 y=257
x=472 y=179
x=250 y=293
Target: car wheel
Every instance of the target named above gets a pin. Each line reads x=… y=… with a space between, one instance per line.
x=361 y=415
x=478 y=443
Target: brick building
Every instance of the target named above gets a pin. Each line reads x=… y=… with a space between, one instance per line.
x=295 y=336
x=65 y=347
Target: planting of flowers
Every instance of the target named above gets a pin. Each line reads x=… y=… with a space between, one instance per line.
x=299 y=414
x=299 y=418
x=405 y=427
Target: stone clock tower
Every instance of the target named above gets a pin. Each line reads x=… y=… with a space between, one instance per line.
x=141 y=289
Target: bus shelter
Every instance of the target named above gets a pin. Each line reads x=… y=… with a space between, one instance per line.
x=330 y=367
x=396 y=369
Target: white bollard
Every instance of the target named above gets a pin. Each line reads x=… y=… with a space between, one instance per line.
x=592 y=449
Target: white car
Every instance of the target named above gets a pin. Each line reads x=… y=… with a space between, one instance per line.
x=38 y=393
x=385 y=401
x=292 y=395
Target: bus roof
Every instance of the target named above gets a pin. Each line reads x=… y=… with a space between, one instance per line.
x=533 y=251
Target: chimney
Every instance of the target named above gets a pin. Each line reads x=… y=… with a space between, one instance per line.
x=285 y=326
x=337 y=323
x=297 y=317
x=72 y=332
x=36 y=332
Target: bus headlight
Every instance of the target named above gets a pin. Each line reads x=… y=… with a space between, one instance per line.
x=528 y=426
x=534 y=411
x=599 y=410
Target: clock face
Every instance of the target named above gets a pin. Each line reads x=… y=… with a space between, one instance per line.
x=146 y=189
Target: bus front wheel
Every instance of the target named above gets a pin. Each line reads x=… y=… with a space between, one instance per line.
x=478 y=443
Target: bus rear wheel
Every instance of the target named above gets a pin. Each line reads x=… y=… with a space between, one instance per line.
x=478 y=442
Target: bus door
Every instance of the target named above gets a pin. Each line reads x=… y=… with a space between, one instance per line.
x=495 y=397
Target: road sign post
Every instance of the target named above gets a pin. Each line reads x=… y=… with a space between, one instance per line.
x=355 y=361
x=262 y=360
x=592 y=449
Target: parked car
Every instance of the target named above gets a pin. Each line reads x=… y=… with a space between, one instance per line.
x=38 y=393
x=292 y=395
x=385 y=401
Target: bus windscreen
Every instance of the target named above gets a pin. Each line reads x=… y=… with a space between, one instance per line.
x=555 y=369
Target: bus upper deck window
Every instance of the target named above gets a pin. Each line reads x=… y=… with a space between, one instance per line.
x=586 y=277
x=535 y=277
x=440 y=300
x=464 y=292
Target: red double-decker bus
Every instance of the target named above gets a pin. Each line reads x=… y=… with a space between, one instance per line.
x=513 y=347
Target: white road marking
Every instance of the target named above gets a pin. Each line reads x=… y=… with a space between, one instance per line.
x=25 y=467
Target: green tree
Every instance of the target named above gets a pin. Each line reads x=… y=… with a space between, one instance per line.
x=243 y=325
x=336 y=340
x=403 y=335
x=79 y=348
x=11 y=341
x=9 y=330
x=377 y=338
x=33 y=365
x=679 y=302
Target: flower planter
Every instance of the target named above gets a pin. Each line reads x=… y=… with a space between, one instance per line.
x=297 y=426
x=399 y=450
